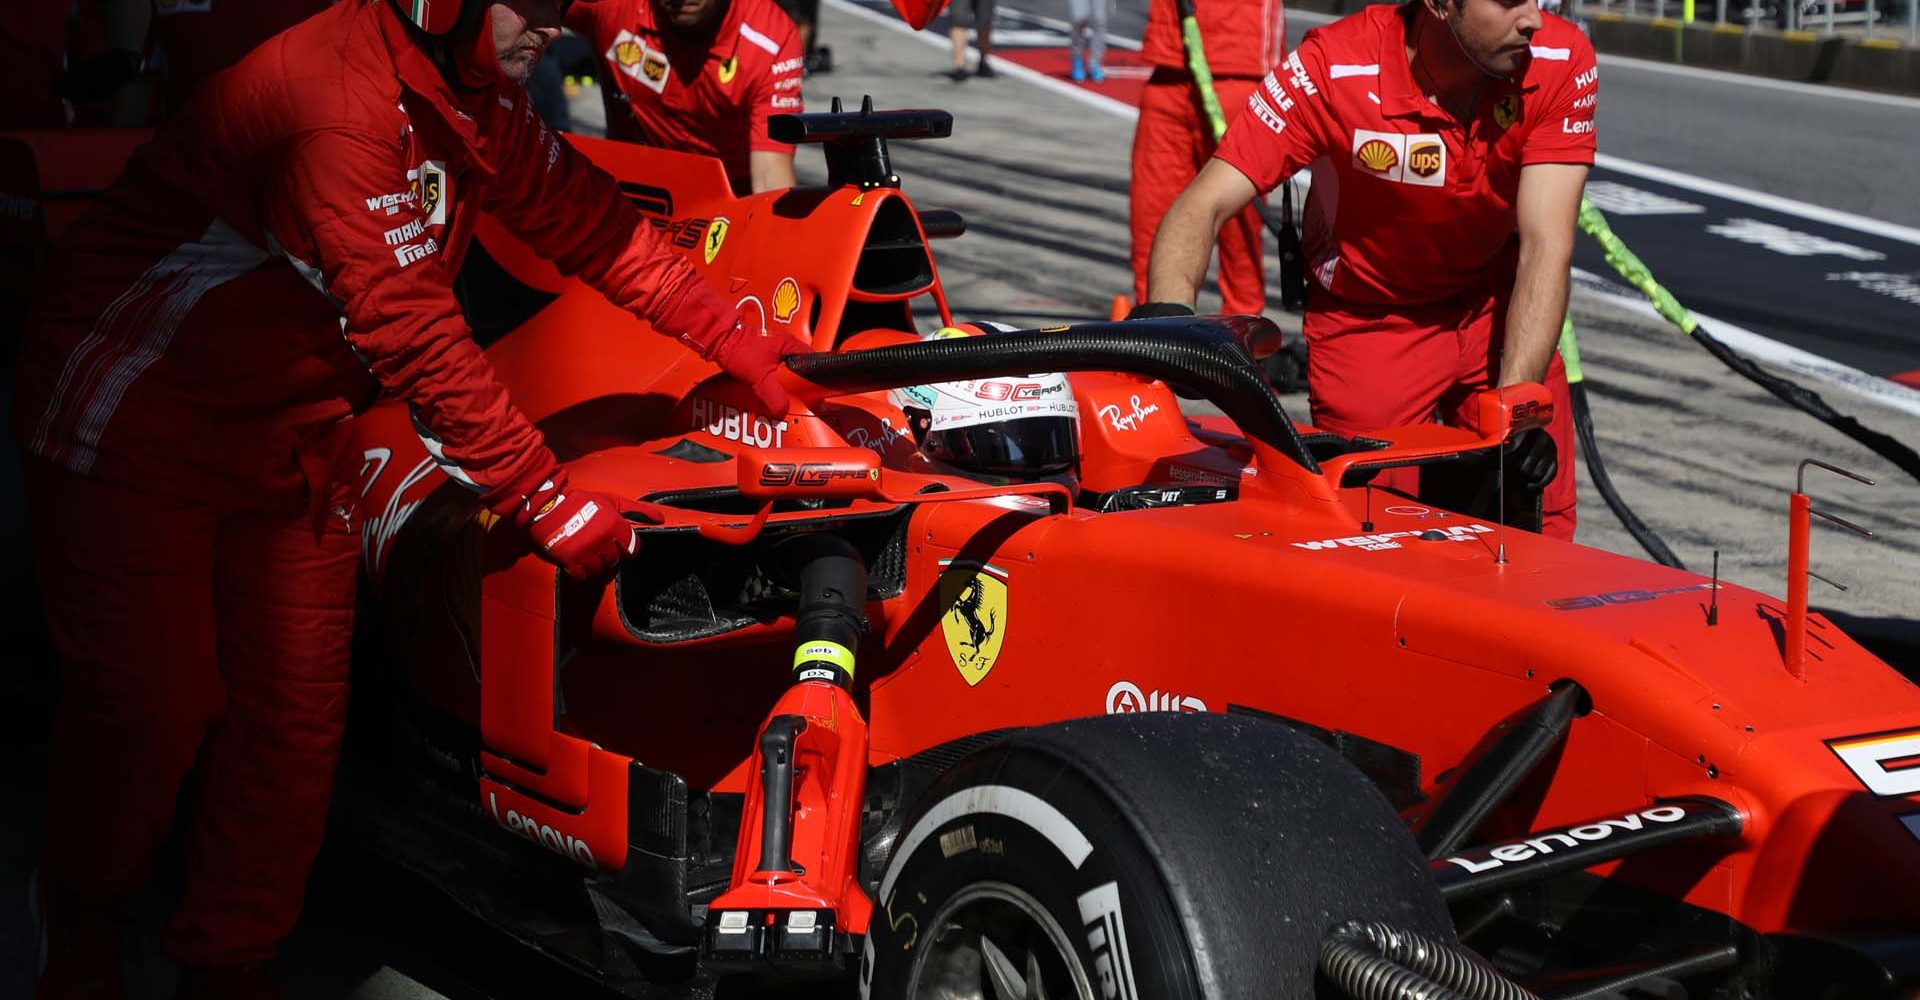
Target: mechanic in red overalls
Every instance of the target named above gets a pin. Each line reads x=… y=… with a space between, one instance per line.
x=1243 y=39
x=194 y=39
x=1449 y=141
x=278 y=258
x=700 y=76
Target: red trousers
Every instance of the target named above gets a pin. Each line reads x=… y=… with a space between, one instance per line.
x=1170 y=145
x=187 y=634
x=1371 y=366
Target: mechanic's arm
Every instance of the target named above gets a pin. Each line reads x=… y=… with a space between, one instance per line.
x=1548 y=205
x=1280 y=131
x=1184 y=243
x=394 y=291
x=571 y=212
x=777 y=92
x=771 y=171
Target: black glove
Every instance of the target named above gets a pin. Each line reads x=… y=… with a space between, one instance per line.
x=1532 y=459
x=96 y=78
x=1156 y=310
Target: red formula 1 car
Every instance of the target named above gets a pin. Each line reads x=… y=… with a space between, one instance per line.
x=1206 y=717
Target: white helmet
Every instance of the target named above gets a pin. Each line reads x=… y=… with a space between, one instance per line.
x=1019 y=427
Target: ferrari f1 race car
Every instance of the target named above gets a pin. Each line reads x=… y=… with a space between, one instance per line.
x=1158 y=706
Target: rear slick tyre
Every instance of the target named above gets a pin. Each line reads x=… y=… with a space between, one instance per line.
x=1158 y=856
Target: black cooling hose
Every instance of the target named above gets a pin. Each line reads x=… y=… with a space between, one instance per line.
x=1376 y=961
x=1201 y=354
x=1597 y=469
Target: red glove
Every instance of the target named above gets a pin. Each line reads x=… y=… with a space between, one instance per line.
x=581 y=531
x=739 y=345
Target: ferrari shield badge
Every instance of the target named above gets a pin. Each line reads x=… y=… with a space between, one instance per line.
x=727 y=68
x=975 y=620
x=1507 y=111
x=716 y=235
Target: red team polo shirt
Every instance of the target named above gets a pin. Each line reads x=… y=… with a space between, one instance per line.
x=713 y=98
x=1408 y=205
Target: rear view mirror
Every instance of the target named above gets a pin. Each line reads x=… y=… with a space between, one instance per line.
x=810 y=474
x=1510 y=409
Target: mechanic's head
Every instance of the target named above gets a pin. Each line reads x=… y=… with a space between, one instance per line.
x=689 y=15
x=1013 y=429
x=1493 y=35
x=486 y=43
x=521 y=31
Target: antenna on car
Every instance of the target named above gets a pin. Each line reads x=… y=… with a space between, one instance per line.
x=1713 y=599
x=1366 y=521
x=1799 y=526
x=1500 y=487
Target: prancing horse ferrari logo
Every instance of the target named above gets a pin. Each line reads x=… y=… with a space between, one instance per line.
x=716 y=235
x=975 y=622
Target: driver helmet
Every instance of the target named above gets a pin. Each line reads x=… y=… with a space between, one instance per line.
x=1003 y=429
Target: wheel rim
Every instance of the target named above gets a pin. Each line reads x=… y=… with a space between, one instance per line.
x=992 y=941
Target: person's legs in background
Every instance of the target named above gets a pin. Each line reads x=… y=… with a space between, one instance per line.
x=1097 y=40
x=127 y=580
x=1080 y=17
x=1167 y=151
x=1242 y=274
x=960 y=17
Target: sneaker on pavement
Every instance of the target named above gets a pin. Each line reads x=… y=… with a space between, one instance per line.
x=957 y=74
x=1097 y=74
x=1079 y=71
x=985 y=71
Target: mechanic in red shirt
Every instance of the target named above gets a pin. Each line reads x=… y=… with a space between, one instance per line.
x=1243 y=39
x=1449 y=141
x=701 y=76
x=279 y=257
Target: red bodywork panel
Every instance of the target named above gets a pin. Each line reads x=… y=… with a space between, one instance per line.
x=1406 y=632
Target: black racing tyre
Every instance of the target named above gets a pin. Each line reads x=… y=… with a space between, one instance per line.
x=1156 y=856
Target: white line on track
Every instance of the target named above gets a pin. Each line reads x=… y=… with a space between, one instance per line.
x=1761 y=348
x=1788 y=206
x=1872 y=387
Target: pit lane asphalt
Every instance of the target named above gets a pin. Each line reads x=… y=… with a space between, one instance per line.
x=1703 y=455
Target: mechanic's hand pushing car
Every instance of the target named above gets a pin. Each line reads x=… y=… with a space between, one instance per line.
x=280 y=256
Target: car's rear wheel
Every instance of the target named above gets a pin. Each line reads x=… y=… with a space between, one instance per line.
x=1141 y=856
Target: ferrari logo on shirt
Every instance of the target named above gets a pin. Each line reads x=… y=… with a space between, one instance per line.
x=728 y=68
x=1507 y=111
x=975 y=620
x=1419 y=159
x=630 y=54
x=716 y=235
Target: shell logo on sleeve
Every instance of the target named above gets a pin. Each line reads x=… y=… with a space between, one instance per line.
x=1377 y=155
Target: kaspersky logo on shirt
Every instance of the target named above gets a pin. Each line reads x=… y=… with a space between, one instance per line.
x=1404 y=159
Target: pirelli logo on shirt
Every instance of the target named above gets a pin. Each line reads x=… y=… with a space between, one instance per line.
x=1263 y=111
x=1404 y=159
